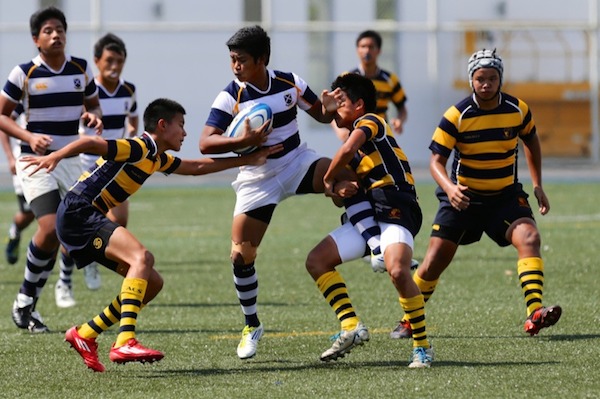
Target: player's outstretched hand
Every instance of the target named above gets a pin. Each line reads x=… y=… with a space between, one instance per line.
x=47 y=162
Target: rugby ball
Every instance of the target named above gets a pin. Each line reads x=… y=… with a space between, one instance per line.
x=258 y=114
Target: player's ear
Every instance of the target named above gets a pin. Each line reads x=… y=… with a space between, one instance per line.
x=360 y=104
x=162 y=123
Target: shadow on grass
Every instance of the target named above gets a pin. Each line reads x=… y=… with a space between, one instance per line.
x=218 y=305
x=284 y=365
x=558 y=337
x=228 y=332
x=575 y=337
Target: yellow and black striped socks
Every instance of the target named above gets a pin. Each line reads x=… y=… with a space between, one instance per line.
x=426 y=288
x=333 y=288
x=133 y=291
x=102 y=322
x=531 y=277
x=414 y=311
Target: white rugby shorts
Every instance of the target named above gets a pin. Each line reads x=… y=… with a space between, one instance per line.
x=351 y=245
x=61 y=178
x=271 y=183
x=17 y=185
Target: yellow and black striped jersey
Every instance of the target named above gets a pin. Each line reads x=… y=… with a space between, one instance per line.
x=122 y=171
x=484 y=142
x=380 y=161
x=388 y=88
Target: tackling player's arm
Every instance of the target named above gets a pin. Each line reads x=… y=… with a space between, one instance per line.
x=342 y=157
x=88 y=144
x=205 y=166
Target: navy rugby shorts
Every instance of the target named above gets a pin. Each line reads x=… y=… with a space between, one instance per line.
x=84 y=231
x=486 y=214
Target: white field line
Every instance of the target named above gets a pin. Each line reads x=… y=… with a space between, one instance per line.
x=569 y=218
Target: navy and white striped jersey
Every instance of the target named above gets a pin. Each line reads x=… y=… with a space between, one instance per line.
x=53 y=100
x=286 y=91
x=116 y=108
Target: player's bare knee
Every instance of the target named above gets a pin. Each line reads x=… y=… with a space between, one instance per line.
x=524 y=233
x=243 y=253
x=396 y=272
x=312 y=262
x=142 y=259
x=532 y=238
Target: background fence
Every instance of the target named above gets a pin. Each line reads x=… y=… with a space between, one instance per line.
x=177 y=49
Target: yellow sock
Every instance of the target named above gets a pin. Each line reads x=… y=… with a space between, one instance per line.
x=426 y=288
x=102 y=322
x=132 y=294
x=531 y=277
x=333 y=288
x=414 y=310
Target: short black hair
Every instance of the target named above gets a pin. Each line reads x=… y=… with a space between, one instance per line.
x=253 y=40
x=357 y=87
x=370 y=34
x=39 y=17
x=110 y=42
x=161 y=108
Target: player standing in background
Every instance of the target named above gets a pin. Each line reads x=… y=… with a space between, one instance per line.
x=387 y=84
x=259 y=189
x=384 y=172
x=483 y=193
x=119 y=116
x=57 y=91
x=24 y=216
x=88 y=234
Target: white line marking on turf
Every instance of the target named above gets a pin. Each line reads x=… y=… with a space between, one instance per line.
x=572 y=218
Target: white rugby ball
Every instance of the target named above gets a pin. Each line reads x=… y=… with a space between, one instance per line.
x=258 y=114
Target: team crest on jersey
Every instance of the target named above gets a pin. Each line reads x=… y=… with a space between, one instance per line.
x=523 y=202
x=288 y=99
x=508 y=133
x=395 y=213
x=97 y=243
x=77 y=83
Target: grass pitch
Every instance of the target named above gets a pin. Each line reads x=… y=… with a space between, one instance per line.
x=475 y=319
